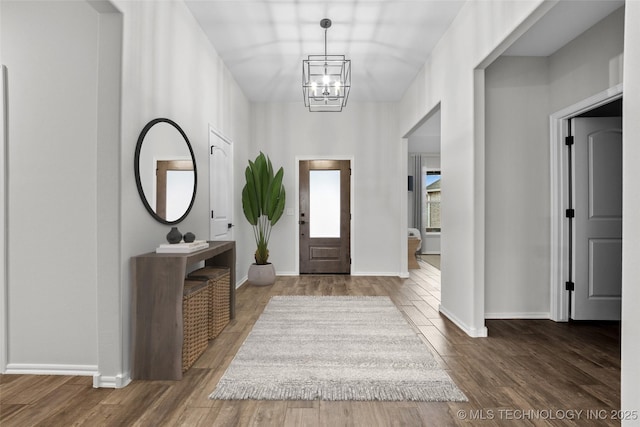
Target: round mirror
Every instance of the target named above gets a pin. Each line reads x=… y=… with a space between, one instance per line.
x=165 y=170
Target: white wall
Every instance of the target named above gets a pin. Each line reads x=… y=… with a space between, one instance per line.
x=51 y=56
x=428 y=144
x=3 y=213
x=368 y=134
x=631 y=209
x=72 y=181
x=521 y=93
x=170 y=70
x=108 y=189
x=517 y=188
x=448 y=78
x=589 y=64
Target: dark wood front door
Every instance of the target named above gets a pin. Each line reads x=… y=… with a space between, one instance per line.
x=325 y=216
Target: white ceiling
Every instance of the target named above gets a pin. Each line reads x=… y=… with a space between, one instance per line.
x=264 y=42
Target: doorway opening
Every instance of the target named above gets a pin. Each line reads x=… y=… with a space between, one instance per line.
x=424 y=193
x=586 y=250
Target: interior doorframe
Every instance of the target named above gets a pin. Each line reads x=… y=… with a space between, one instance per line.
x=351 y=160
x=559 y=265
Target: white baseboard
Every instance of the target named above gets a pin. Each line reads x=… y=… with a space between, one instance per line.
x=46 y=369
x=518 y=315
x=472 y=332
x=241 y=281
x=286 y=273
x=103 y=381
x=375 y=273
x=99 y=381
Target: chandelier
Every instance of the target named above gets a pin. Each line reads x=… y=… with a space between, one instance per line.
x=326 y=79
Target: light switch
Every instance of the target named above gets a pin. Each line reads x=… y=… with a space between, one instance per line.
x=290 y=211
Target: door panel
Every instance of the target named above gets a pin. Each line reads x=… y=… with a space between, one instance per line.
x=605 y=176
x=605 y=268
x=325 y=216
x=598 y=219
x=220 y=188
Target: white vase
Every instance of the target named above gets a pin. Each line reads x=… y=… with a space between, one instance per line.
x=261 y=275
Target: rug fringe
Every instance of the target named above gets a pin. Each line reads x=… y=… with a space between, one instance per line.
x=341 y=392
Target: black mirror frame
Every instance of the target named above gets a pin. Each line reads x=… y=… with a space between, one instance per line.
x=136 y=166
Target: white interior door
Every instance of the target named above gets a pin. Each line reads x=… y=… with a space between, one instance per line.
x=598 y=218
x=220 y=187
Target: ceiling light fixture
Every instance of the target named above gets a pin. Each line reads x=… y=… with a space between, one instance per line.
x=326 y=79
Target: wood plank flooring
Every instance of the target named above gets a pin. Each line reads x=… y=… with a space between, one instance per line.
x=527 y=372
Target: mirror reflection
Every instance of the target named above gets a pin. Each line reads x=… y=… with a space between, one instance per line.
x=165 y=171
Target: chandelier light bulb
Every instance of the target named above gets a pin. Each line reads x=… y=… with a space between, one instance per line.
x=326 y=80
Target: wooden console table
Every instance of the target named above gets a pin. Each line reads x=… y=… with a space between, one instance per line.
x=158 y=281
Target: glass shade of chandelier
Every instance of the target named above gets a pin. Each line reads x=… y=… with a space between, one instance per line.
x=326 y=79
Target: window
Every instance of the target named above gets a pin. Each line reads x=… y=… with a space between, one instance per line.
x=431 y=215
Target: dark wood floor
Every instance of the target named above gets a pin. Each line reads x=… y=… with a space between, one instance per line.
x=527 y=372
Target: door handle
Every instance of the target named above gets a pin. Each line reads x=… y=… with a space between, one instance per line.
x=229 y=225
x=301 y=222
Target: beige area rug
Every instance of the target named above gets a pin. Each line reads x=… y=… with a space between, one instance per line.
x=334 y=348
x=433 y=260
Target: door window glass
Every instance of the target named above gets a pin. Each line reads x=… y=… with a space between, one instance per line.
x=324 y=203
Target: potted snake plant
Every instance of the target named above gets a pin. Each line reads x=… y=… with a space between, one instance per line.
x=263 y=200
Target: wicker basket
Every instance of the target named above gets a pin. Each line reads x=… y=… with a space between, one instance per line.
x=219 y=308
x=195 y=319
